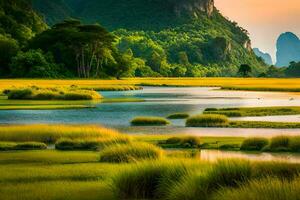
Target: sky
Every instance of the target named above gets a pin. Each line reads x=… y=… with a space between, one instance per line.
x=264 y=19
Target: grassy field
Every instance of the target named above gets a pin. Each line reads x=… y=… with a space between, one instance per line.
x=46 y=175
x=218 y=120
x=255 y=84
x=134 y=167
x=254 y=111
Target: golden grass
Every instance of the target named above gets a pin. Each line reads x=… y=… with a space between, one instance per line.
x=276 y=84
x=44 y=107
x=51 y=133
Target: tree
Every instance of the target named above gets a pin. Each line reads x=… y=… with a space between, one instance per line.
x=34 y=64
x=75 y=44
x=8 y=49
x=245 y=70
x=293 y=70
x=183 y=58
x=179 y=71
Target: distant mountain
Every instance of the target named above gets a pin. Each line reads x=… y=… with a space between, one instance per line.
x=288 y=49
x=265 y=56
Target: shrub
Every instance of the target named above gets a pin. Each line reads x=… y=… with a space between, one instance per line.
x=254 y=144
x=265 y=189
x=190 y=141
x=19 y=93
x=149 y=121
x=178 y=116
x=207 y=120
x=34 y=64
x=148 y=180
x=130 y=153
x=183 y=142
x=280 y=143
x=6 y=146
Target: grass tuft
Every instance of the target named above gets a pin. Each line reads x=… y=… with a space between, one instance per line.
x=130 y=153
x=149 y=121
x=265 y=189
x=89 y=144
x=254 y=144
x=181 y=142
x=225 y=173
x=280 y=143
x=148 y=180
x=8 y=146
x=178 y=116
x=207 y=120
x=35 y=93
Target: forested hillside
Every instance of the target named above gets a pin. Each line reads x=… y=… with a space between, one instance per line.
x=136 y=38
x=172 y=37
x=18 y=24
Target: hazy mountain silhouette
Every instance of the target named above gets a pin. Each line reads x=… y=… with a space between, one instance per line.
x=265 y=56
x=288 y=49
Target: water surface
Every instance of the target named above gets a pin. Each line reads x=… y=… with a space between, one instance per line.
x=162 y=101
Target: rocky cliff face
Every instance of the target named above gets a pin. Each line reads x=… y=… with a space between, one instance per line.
x=146 y=14
x=288 y=49
x=194 y=6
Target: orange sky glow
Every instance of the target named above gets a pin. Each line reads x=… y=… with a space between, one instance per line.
x=264 y=19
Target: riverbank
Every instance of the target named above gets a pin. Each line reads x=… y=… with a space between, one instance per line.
x=252 y=84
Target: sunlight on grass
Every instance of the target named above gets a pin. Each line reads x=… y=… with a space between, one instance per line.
x=260 y=84
x=51 y=133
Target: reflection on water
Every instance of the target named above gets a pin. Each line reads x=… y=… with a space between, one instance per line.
x=161 y=102
x=214 y=155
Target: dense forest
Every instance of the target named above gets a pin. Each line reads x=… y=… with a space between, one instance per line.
x=64 y=38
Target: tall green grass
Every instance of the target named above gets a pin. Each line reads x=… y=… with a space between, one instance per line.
x=130 y=153
x=228 y=174
x=207 y=120
x=149 y=180
x=254 y=144
x=89 y=144
x=280 y=143
x=265 y=189
x=254 y=111
x=8 y=146
x=111 y=87
x=178 y=116
x=274 y=144
x=52 y=133
x=181 y=142
x=35 y=93
x=57 y=190
x=149 y=121
x=263 y=124
x=47 y=157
